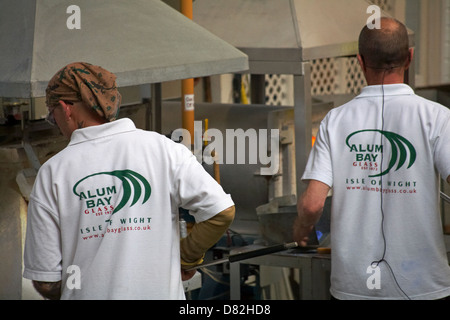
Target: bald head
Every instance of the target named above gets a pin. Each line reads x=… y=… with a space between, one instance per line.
x=385 y=48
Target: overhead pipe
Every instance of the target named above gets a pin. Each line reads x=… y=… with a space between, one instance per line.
x=187 y=85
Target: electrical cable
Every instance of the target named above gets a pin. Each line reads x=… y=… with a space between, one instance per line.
x=383 y=259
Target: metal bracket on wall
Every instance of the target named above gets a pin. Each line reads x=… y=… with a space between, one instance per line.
x=445 y=197
x=31 y=155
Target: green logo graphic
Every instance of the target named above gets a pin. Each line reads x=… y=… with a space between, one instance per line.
x=130 y=181
x=399 y=146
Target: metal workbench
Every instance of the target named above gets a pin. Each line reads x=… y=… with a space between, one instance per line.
x=314 y=272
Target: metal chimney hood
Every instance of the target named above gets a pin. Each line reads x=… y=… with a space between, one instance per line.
x=284 y=31
x=141 y=41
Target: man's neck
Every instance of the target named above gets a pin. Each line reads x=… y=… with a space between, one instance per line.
x=384 y=77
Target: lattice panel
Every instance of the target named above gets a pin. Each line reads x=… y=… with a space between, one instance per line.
x=277 y=88
x=385 y=5
x=354 y=77
x=323 y=76
x=328 y=76
x=336 y=76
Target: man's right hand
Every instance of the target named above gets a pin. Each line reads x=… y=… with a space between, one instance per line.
x=186 y=275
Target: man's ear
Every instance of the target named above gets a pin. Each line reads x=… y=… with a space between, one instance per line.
x=410 y=58
x=361 y=62
x=67 y=109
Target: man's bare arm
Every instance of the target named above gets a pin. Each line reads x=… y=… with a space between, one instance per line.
x=309 y=209
x=49 y=290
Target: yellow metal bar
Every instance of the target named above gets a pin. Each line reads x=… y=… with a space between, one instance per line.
x=186 y=8
x=187 y=85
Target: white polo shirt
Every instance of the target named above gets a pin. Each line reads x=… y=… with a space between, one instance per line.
x=103 y=214
x=385 y=166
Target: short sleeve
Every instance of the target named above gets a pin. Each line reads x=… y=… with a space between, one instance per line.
x=442 y=149
x=42 y=256
x=196 y=190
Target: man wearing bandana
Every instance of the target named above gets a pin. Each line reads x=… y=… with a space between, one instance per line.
x=103 y=213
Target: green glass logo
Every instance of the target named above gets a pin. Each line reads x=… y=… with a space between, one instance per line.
x=133 y=184
x=400 y=147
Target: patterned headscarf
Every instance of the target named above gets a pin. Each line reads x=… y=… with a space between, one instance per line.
x=93 y=85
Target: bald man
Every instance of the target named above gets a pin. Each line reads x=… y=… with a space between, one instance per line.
x=383 y=155
x=103 y=212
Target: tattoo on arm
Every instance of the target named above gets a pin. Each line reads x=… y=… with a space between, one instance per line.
x=49 y=290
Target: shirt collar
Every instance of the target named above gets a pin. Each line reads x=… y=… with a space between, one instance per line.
x=103 y=130
x=389 y=90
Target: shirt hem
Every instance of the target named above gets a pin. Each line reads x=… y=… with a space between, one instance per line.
x=318 y=177
x=42 y=275
x=427 y=296
x=212 y=211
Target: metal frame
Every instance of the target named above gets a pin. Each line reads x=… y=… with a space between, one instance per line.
x=445 y=197
x=314 y=271
x=301 y=72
